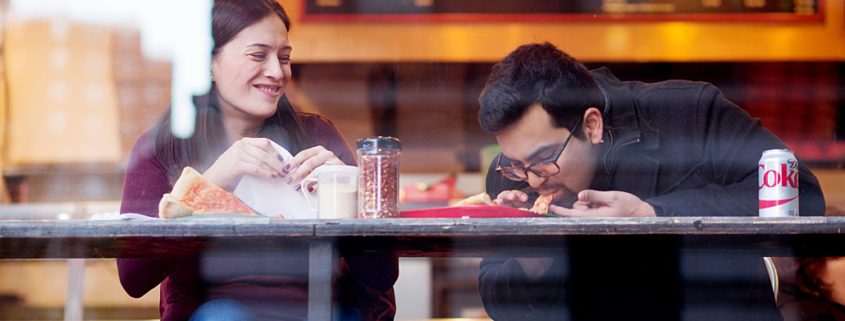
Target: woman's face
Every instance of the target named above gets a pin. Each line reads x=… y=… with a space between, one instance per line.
x=834 y=275
x=253 y=69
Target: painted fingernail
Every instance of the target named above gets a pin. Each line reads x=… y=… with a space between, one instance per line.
x=298 y=188
x=280 y=158
x=310 y=190
x=287 y=167
x=289 y=180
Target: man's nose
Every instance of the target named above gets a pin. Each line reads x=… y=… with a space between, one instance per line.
x=534 y=180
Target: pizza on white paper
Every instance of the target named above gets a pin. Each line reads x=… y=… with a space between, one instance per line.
x=193 y=194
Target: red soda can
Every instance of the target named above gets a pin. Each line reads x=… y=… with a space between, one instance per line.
x=778 y=183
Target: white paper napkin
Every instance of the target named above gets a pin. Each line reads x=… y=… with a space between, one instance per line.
x=273 y=197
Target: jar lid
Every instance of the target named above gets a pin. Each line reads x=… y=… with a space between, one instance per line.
x=379 y=142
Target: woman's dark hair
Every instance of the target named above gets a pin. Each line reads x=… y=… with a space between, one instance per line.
x=808 y=276
x=537 y=73
x=229 y=17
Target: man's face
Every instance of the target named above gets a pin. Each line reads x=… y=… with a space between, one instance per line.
x=534 y=138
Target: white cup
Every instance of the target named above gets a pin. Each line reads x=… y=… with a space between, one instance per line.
x=337 y=188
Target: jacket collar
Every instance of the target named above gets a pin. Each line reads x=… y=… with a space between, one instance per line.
x=622 y=116
x=626 y=133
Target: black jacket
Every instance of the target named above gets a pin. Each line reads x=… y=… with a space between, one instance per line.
x=685 y=149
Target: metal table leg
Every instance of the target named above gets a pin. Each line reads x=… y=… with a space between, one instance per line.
x=75 y=289
x=322 y=264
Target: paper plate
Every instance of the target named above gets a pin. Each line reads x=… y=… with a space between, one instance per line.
x=471 y=211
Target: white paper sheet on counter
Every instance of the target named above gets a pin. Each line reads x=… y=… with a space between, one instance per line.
x=273 y=197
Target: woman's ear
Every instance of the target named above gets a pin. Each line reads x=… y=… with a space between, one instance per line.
x=593 y=125
x=214 y=66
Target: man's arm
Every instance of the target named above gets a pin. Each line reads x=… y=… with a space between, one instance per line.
x=732 y=144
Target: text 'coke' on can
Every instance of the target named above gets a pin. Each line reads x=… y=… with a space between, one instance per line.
x=778 y=183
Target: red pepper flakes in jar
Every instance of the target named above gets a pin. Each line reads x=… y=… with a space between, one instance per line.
x=378 y=179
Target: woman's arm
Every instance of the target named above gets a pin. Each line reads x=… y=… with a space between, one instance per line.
x=144 y=184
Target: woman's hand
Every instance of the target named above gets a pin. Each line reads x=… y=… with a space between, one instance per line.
x=253 y=156
x=298 y=167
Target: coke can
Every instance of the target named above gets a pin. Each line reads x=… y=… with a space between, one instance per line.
x=778 y=183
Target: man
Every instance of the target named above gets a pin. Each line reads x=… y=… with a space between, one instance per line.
x=607 y=148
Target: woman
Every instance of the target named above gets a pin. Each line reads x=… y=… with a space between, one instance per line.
x=811 y=288
x=236 y=122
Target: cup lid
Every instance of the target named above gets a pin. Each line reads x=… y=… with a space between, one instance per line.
x=379 y=142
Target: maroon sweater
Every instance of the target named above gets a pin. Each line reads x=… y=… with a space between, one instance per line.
x=274 y=285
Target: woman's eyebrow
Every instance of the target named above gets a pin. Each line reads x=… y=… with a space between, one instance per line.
x=264 y=45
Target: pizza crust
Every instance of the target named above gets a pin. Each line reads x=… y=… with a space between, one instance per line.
x=541 y=205
x=477 y=199
x=170 y=207
x=186 y=180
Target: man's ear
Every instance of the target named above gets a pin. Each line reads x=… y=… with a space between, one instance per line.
x=593 y=125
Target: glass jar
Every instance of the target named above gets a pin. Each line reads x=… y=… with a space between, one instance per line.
x=378 y=179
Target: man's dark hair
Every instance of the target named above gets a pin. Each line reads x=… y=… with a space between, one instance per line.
x=537 y=73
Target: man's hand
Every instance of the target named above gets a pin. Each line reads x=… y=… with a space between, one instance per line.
x=512 y=198
x=593 y=203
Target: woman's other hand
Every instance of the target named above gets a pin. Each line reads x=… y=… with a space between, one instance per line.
x=253 y=156
x=298 y=167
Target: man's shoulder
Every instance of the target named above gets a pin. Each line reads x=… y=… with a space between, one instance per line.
x=676 y=85
x=640 y=88
x=675 y=93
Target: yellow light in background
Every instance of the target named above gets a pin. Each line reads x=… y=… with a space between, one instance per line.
x=462 y=42
x=782 y=41
x=679 y=39
x=618 y=38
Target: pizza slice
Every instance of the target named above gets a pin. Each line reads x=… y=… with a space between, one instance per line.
x=193 y=194
x=477 y=199
x=541 y=205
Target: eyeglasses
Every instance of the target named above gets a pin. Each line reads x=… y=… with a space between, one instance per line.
x=543 y=168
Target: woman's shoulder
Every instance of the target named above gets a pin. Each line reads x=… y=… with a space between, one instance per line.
x=317 y=125
x=323 y=132
x=144 y=148
x=145 y=142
